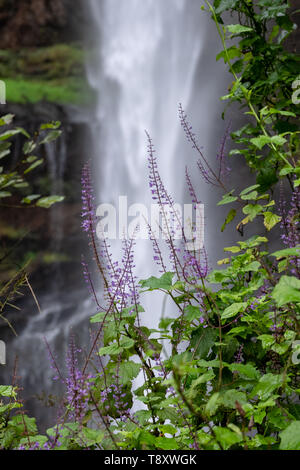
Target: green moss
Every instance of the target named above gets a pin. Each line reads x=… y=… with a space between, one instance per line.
x=70 y=90
x=54 y=74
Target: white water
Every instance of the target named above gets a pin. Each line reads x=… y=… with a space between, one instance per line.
x=153 y=55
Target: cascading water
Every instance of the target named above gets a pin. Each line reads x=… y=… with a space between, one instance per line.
x=151 y=55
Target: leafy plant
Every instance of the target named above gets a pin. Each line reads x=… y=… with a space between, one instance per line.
x=15 y=193
x=222 y=372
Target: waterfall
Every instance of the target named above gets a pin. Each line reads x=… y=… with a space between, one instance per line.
x=153 y=55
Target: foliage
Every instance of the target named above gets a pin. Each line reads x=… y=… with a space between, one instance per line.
x=222 y=372
x=15 y=193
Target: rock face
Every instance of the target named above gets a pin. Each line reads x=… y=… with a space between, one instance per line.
x=33 y=23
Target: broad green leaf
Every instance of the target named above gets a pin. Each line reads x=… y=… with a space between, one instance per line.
x=111 y=350
x=128 y=371
x=233 y=310
x=226 y=437
x=270 y=220
x=166 y=444
x=252 y=210
x=7 y=391
x=154 y=283
x=227 y=199
x=192 y=313
x=267 y=384
x=287 y=290
x=225 y=5
x=267 y=341
x=202 y=340
x=290 y=437
x=230 y=397
x=127 y=343
x=98 y=317
x=287 y=252
x=245 y=370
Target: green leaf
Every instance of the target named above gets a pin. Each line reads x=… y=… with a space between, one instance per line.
x=246 y=371
x=270 y=220
x=202 y=341
x=249 y=189
x=260 y=141
x=53 y=135
x=128 y=371
x=233 y=310
x=252 y=210
x=154 y=283
x=232 y=249
x=7 y=119
x=225 y=5
x=50 y=125
x=267 y=341
x=231 y=215
x=7 y=391
x=4 y=194
x=47 y=202
x=192 y=313
x=238 y=29
x=267 y=385
x=227 y=199
x=34 y=165
x=8 y=134
x=227 y=437
x=98 y=318
x=30 y=198
x=28 y=147
x=213 y=404
x=166 y=444
x=287 y=290
x=287 y=252
x=230 y=397
x=290 y=437
x=110 y=350
x=126 y=343
x=254 y=267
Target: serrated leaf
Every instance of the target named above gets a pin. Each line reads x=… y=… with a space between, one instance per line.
x=128 y=371
x=110 y=350
x=192 y=313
